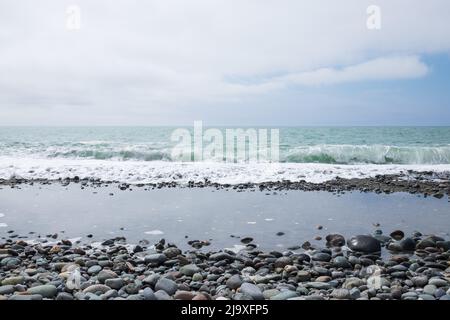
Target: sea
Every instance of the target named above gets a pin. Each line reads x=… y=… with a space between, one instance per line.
x=145 y=154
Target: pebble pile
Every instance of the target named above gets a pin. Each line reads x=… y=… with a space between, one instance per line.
x=375 y=267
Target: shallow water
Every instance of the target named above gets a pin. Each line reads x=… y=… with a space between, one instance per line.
x=209 y=214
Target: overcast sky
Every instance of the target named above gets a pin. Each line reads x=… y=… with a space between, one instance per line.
x=231 y=62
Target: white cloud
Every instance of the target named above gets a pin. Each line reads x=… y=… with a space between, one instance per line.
x=389 y=68
x=155 y=55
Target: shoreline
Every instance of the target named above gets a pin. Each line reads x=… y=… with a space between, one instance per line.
x=344 y=269
x=424 y=183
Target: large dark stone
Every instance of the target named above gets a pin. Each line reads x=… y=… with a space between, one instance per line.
x=364 y=243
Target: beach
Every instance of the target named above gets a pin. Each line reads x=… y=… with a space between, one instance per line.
x=203 y=242
x=111 y=214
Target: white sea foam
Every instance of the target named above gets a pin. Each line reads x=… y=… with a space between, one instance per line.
x=3 y=225
x=224 y=173
x=154 y=232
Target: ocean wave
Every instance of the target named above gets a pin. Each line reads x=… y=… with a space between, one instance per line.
x=322 y=153
x=184 y=172
x=369 y=154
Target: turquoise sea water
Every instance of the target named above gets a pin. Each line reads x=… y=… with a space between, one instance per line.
x=335 y=145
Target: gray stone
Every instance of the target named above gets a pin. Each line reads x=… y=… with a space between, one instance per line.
x=156 y=258
x=7 y=289
x=47 y=290
x=341 y=262
x=94 y=270
x=64 y=296
x=281 y=262
x=438 y=282
x=429 y=289
x=420 y=281
x=148 y=294
x=172 y=252
x=13 y=280
x=321 y=256
x=426 y=297
x=354 y=282
x=162 y=295
x=341 y=294
x=189 y=269
x=284 y=295
x=234 y=281
x=105 y=275
x=270 y=293
x=303 y=276
x=96 y=288
x=166 y=285
x=355 y=293
x=318 y=285
x=25 y=297
x=364 y=243
x=115 y=283
x=252 y=290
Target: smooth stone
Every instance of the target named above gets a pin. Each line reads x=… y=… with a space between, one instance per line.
x=407 y=244
x=342 y=294
x=115 y=283
x=303 y=276
x=318 y=285
x=105 y=274
x=162 y=295
x=426 y=297
x=132 y=288
x=251 y=290
x=13 y=280
x=221 y=256
x=234 y=281
x=397 y=234
x=270 y=293
x=321 y=256
x=284 y=295
x=364 y=243
x=96 y=288
x=355 y=293
x=110 y=294
x=64 y=296
x=172 y=252
x=282 y=262
x=94 y=270
x=341 y=262
x=25 y=297
x=335 y=240
x=409 y=296
x=167 y=285
x=353 y=282
x=156 y=258
x=425 y=243
x=189 y=269
x=7 y=289
x=148 y=294
x=429 y=289
x=196 y=277
x=184 y=295
x=438 y=282
x=420 y=281
x=439 y=293
x=46 y=290
x=446 y=297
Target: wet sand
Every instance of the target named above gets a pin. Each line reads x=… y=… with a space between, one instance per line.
x=274 y=219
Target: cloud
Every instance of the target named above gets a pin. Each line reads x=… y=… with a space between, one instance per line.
x=389 y=68
x=135 y=59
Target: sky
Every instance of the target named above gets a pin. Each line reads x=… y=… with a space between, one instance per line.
x=225 y=62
